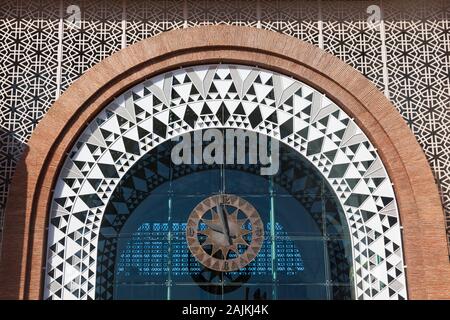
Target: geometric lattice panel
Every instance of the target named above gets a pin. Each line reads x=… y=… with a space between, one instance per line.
x=232 y=12
x=293 y=18
x=28 y=78
x=146 y=19
x=98 y=36
x=224 y=96
x=348 y=37
x=418 y=63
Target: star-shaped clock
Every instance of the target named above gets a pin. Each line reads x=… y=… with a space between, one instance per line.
x=230 y=239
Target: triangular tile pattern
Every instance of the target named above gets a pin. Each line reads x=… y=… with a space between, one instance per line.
x=223 y=96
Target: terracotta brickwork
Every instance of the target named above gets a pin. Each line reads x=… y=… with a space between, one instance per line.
x=424 y=241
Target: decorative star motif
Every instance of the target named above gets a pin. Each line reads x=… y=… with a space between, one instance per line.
x=224 y=237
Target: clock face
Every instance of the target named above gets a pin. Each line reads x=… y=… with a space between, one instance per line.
x=224 y=232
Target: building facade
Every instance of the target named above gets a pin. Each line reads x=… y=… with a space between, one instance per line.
x=236 y=149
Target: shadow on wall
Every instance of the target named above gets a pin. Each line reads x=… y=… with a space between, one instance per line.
x=11 y=149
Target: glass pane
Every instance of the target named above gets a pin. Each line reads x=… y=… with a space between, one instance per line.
x=343 y=292
x=196 y=180
x=299 y=216
x=252 y=291
x=258 y=271
x=142 y=260
x=184 y=268
x=245 y=182
x=196 y=292
x=302 y=292
x=140 y=292
x=303 y=261
x=340 y=261
x=296 y=176
x=336 y=221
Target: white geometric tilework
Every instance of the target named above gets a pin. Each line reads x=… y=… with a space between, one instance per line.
x=224 y=96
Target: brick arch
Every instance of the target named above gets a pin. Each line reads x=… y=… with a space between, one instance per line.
x=188 y=98
x=23 y=254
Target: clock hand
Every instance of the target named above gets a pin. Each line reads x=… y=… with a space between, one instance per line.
x=224 y=220
x=216 y=229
